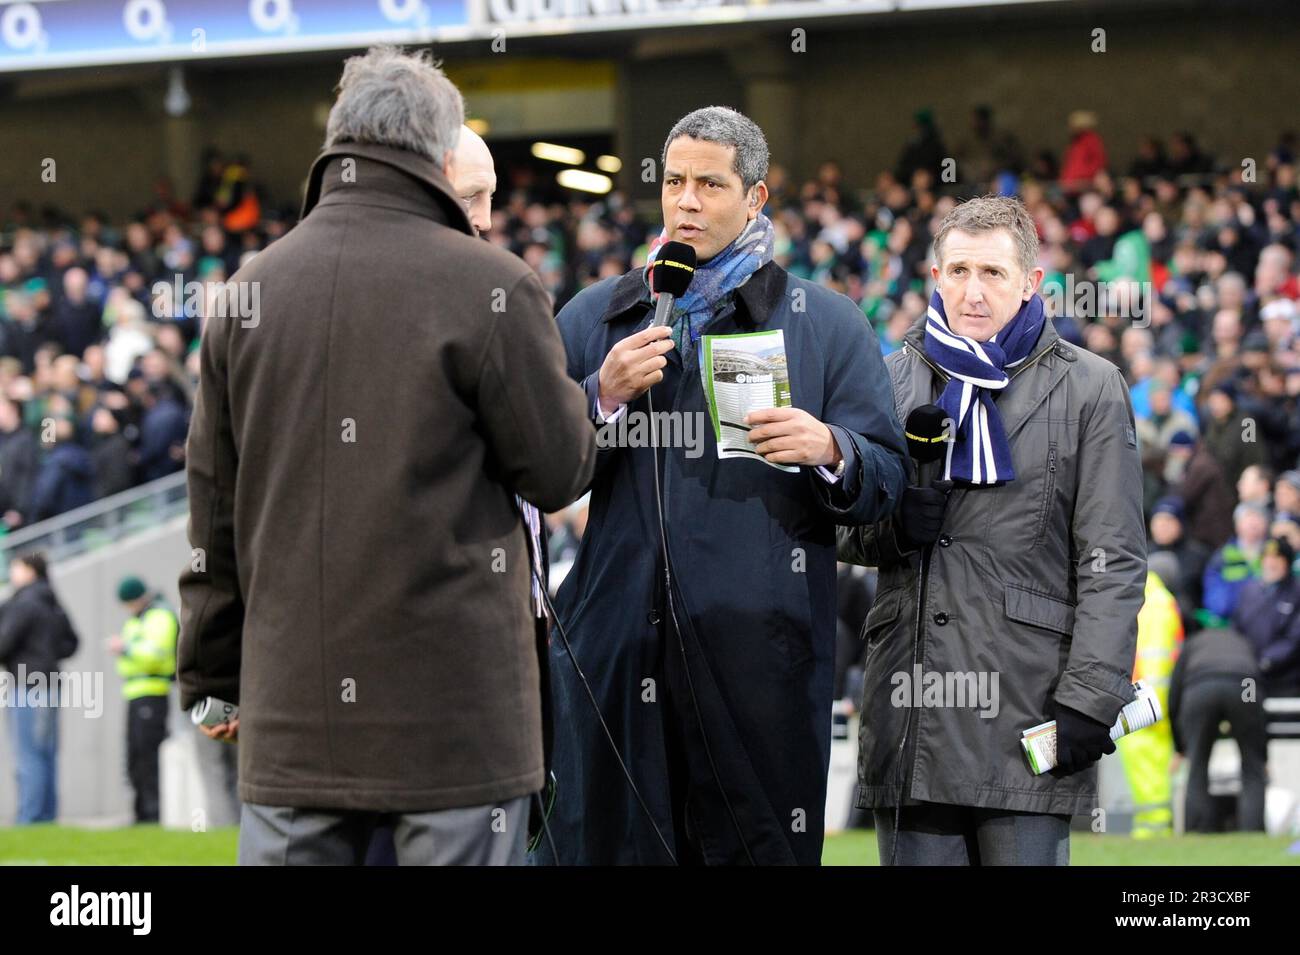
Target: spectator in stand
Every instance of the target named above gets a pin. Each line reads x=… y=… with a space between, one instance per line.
x=19 y=463
x=128 y=336
x=162 y=433
x=1233 y=564
x=1086 y=154
x=1232 y=441
x=66 y=479
x=76 y=322
x=1267 y=616
x=1255 y=486
x=110 y=453
x=1189 y=557
x=1192 y=472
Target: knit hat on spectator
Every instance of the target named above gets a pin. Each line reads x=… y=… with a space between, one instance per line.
x=1182 y=439
x=1255 y=342
x=131 y=588
x=1279 y=547
x=1291 y=477
x=1226 y=387
x=1169 y=505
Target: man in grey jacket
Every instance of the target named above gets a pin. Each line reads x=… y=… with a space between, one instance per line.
x=1009 y=592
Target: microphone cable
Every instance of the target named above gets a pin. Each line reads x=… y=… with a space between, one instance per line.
x=672 y=614
x=609 y=737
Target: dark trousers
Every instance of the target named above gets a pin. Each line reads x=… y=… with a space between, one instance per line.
x=146 y=728
x=489 y=834
x=938 y=834
x=1207 y=703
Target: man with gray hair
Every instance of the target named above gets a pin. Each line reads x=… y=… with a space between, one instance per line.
x=360 y=585
x=700 y=609
x=1017 y=560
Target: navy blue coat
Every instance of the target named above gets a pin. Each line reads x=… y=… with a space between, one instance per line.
x=753 y=554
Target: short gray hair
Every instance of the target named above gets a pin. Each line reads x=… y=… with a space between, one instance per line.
x=986 y=214
x=726 y=127
x=388 y=97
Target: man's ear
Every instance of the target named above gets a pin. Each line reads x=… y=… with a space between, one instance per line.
x=757 y=199
x=449 y=165
x=1032 y=282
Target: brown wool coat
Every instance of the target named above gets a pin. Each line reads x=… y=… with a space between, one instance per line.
x=364 y=589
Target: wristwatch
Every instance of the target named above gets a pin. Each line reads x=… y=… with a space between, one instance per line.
x=839 y=468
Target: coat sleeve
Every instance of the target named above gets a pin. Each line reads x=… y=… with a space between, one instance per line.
x=1110 y=558
x=870 y=545
x=859 y=399
x=212 y=605
x=535 y=417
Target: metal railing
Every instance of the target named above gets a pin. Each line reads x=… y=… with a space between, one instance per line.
x=99 y=524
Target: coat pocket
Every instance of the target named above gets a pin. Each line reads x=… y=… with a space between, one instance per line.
x=1039 y=610
x=883 y=615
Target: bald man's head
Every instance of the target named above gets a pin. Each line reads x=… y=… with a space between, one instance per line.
x=475 y=179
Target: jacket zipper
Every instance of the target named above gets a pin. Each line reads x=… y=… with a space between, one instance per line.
x=1047 y=496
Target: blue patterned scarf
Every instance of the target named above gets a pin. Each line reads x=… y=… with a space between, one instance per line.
x=980 y=453
x=715 y=280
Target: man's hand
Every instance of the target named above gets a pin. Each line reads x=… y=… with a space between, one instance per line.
x=1080 y=741
x=920 y=513
x=632 y=366
x=792 y=436
x=228 y=732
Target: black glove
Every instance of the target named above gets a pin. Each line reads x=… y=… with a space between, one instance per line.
x=920 y=514
x=1080 y=741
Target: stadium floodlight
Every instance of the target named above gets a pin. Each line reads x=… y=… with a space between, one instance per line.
x=584 y=181
x=610 y=164
x=177 y=101
x=564 y=154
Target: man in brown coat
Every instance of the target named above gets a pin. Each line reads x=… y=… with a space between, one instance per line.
x=360 y=580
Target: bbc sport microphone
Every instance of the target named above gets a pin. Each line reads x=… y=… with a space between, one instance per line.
x=670 y=276
x=927 y=437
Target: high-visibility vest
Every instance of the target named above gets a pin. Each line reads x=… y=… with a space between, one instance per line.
x=1146 y=755
x=148 y=661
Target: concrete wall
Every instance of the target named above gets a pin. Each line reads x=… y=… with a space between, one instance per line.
x=92 y=752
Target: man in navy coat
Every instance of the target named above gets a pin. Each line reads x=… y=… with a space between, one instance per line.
x=718 y=699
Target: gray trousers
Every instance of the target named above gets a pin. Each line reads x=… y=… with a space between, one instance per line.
x=494 y=834
x=937 y=834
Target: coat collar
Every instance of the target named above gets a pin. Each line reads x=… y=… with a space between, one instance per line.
x=412 y=178
x=756 y=300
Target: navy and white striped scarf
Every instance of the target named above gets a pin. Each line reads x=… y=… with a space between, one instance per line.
x=980 y=453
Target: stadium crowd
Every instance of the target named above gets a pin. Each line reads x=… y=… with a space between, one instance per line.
x=1179 y=267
